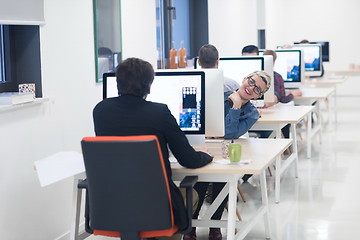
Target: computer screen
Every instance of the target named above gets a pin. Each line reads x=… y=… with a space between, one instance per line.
x=109 y=85
x=312 y=58
x=325 y=49
x=238 y=68
x=290 y=65
x=182 y=92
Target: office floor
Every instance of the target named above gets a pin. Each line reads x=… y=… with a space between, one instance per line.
x=323 y=203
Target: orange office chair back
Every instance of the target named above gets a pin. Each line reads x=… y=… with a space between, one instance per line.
x=127 y=188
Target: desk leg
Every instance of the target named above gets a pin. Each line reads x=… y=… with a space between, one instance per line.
x=294 y=148
x=277 y=179
x=232 y=209
x=309 y=134
x=319 y=121
x=265 y=203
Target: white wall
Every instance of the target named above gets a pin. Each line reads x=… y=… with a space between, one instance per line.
x=139 y=29
x=29 y=134
x=320 y=20
x=232 y=25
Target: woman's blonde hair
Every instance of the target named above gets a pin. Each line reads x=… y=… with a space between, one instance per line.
x=264 y=76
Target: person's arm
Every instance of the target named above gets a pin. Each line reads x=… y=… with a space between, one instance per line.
x=179 y=145
x=280 y=90
x=239 y=121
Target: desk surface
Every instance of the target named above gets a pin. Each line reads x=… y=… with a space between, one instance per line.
x=315 y=93
x=280 y=113
x=262 y=153
x=330 y=80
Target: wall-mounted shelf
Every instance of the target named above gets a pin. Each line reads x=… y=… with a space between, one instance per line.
x=4 y=108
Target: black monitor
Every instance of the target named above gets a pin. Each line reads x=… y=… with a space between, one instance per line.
x=109 y=85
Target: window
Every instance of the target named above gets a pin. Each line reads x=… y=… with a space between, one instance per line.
x=20 y=57
x=180 y=23
x=107 y=30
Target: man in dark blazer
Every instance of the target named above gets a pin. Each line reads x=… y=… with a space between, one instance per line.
x=130 y=114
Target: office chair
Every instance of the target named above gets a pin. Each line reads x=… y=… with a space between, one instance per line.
x=128 y=193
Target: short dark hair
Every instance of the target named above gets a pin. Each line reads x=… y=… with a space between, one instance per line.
x=208 y=55
x=304 y=41
x=134 y=76
x=250 y=49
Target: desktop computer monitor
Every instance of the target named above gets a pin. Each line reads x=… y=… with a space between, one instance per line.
x=182 y=92
x=325 y=49
x=109 y=85
x=312 y=58
x=290 y=65
x=238 y=68
x=214 y=104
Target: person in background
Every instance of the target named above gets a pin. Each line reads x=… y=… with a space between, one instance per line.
x=209 y=58
x=130 y=114
x=250 y=50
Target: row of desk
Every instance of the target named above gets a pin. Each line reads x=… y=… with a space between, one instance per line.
x=262 y=153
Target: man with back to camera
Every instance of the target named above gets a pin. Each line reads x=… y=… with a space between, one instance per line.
x=130 y=114
x=250 y=50
x=209 y=58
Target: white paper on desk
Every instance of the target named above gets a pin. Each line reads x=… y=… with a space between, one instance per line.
x=59 y=166
x=227 y=161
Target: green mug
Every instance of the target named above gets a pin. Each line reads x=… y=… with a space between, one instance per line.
x=234 y=151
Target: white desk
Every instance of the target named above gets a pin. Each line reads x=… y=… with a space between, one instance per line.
x=275 y=118
x=327 y=81
x=262 y=152
x=311 y=95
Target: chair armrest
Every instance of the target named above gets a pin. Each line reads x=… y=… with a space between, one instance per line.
x=188 y=183
x=83 y=184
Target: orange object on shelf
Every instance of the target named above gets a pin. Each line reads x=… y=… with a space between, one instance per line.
x=182 y=56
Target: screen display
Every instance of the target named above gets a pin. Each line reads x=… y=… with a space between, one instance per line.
x=312 y=54
x=184 y=94
x=288 y=65
x=238 y=68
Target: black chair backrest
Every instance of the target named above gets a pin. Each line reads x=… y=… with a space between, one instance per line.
x=127 y=184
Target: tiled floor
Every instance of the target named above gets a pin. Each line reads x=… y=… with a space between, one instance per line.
x=324 y=202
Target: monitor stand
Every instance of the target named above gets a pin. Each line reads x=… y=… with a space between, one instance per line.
x=196 y=139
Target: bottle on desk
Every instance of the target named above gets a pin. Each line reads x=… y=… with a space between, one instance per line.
x=173 y=57
x=182 y=56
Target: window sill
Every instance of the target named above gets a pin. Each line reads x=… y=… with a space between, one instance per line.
x=4 y=108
